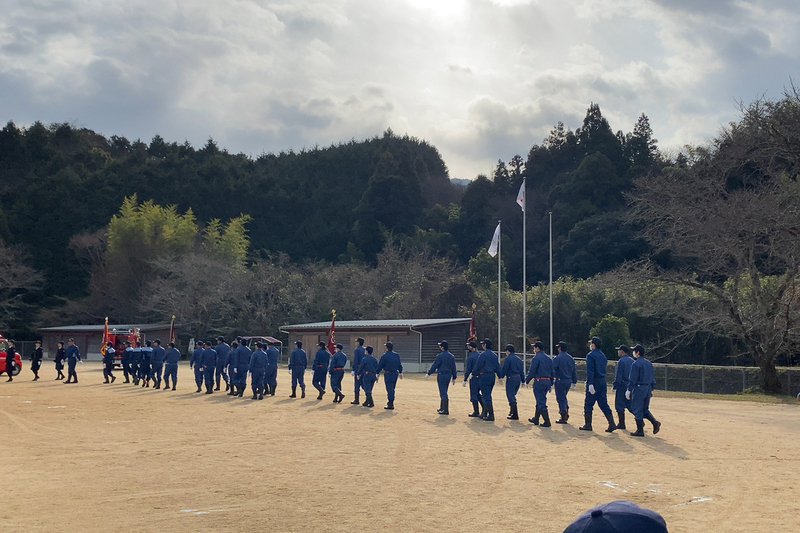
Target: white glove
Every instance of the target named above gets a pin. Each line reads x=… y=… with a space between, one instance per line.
x=464 y=384
x=574 y=385
x=233 y=369
x=353 y=373
x=290 y=371
x=627 y=395
x=401 y=375
x=591 y=389
x=80 y=361
x=468 y=377
x=427 y=376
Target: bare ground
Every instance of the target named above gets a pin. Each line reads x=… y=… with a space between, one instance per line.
x=95 y=457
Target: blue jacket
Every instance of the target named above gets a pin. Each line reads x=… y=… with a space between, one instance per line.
x=596 y=362
x=209 y=358
x=541 y=367
x=108 y=357
x=298 y=359
x=368 y=365
x=623 y=372
x=195 y=359
x=642 y=373
x=73 y=352
x=390 y=362
x=487 y=363
x=321 y=359
x=223 y=350
x=469 y=365
x=147 y=355
x=564 y=367
x=136 y=355
x=258 y=361
x=358 y=355
x=512 y=366
x=172 y=356
x=338 y=360
x=272 y=356
x=445 y=364
x=241 y=359
x=127 y=355
x=158 y=355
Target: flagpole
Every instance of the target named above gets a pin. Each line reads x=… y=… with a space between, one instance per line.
x=551 y=283
x=524 y=278
x=499 y=240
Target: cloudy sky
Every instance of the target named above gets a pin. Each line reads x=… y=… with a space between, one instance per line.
x=482 y=80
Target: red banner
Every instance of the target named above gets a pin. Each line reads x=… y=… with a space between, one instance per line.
x=332 y=333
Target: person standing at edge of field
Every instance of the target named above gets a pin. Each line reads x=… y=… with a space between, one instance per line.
x=297 y=368
x=36 y=360
x=336 y=370
x=640 y=390
x=171 y=358
x=195 y=361
x=486 y=368
x=209 y=366
x=271 y=374
x=10 y=364
x=127 y=354
x=566 y=378
x=257 y=367
x=243 y=355
x=392 y=369
x=620 y=385
x=368 y=374
x=136 y=361
x=146 y=365
x=108 y=363
x=445 y=367
x=474 y=382
x=223 y=353
x=73 y=355
x=60 y=354
x=541 y=373
x=319 y=369
x=158 y=363
x=358 y=355
x=596 y=388
x=513 y=370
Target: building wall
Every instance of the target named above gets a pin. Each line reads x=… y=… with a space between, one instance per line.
x=456 y=337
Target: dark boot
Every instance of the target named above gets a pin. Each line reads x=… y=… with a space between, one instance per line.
x=587 y=425
x=198 y=388
x=445 y=407
x=174 y=382
x=546 y=417
x=490 y=414
x=563 y=419
x=566 y=415
x=535 y=419
x=233 y=390
x=209 y=388
x=474 y=412
x=241 y=390
x=656 y=423
x=611 y=425
x=514 y=415
x=227 y=386
x=441 y=406
x=389 y=405
x=639 y=429
x=255 y=396
x=156 y=386
x=369 y=403
x=294 y=392
x=621 y=415
x=261 y=394
x=483 y=411
x=355 y=400
x=341 y=396
x=303 y=391
x=217 y=387
x=272 y=390
x=166 y=383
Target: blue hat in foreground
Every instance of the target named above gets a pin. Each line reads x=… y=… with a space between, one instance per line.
x=619 y=516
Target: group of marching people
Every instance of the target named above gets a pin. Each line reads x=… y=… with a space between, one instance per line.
x=231 y=364
x=143 y=364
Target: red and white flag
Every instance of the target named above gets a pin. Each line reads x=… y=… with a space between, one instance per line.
x=332 y=333
x=105 y=338
x=521 y=196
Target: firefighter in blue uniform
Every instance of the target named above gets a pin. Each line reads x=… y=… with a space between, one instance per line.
x=474 y=382
x=358 y=355
x=271 y=374
x=196 y=362
x=513 y=370
x=596 y=388
x=620 y=385
x=73 y=355
x=171 y=358
x=257 y=367
x=147 y=360
x=209 y=366
x=127 y=355
x=486 y=368
x=566 y=378
x=136 y=361
x=232 y=358
x=541 y=373
x=108 y=363
x=158 y=363
x=445 y=367
x=243 y=354
x=368 y=373
x=223 y=351
x=336 y=370
x=640 y=390
x=319 y=369
x=392 y=369
x=297 y=369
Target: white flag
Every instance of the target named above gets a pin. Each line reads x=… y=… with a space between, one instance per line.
x=495 y=241
x=521 y=196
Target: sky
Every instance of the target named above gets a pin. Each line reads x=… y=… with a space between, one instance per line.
x=481 y=80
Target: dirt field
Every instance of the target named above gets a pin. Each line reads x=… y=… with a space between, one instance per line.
x=94 y=457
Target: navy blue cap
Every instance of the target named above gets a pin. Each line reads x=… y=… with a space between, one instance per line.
x=619 y=516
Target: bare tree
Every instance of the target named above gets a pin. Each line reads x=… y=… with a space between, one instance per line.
x=17 y=281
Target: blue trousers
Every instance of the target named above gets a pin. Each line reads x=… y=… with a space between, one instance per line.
x=198 y=375
x=208 y=374
x=443 y=380
x=512 y=386
x=171 y=372
x=475 y=390
x=319 y=378
x=220 y=372
x=640 y=401
x=71 y=368
x=298 y=378
x=390 y=380
x=368 y=382
x=257 y=381
x=336 y=380
x=156 y=373
x=540 y=389
x=357 y=383
x=599 y=396
x=562 y=388
x=144 y=371
x=620 y=403
x=487 y=384
x=126 y=368
x=271 y=376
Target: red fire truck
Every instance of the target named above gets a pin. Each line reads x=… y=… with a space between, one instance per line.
x=17 y=360
x=119 y=337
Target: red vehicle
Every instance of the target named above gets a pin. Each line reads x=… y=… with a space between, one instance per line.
x=119 y=337
x=17 y=360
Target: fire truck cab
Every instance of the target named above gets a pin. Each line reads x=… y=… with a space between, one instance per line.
x=118 y=337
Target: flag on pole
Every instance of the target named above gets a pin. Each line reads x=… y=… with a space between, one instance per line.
x=105 y=338
x=332 y=333
x=495 y=241
x=473 y=336
x=521 y=196
x=172 y=330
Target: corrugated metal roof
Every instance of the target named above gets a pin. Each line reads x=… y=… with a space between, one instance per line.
x=99 y=327
x=377 y=324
